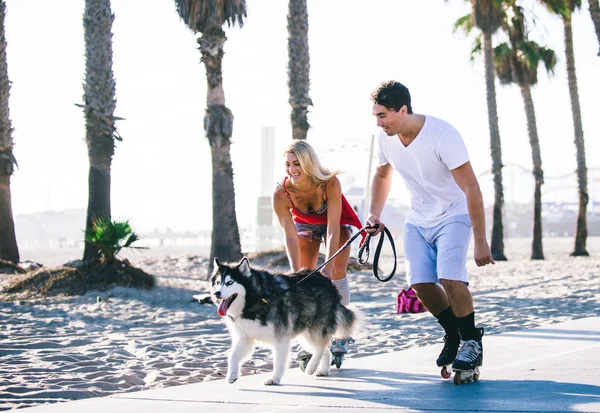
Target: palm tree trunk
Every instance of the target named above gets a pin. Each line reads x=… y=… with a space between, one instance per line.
x=595 y=12
x=497 y=246
x=8 y=241
x=99 y=106
x=537 y=251
x=298 y=67
x=218 y=124
x=581 y=231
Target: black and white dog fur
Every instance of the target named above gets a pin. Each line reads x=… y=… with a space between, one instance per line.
x=260 y=306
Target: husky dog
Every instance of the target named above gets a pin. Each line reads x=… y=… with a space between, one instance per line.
x=275 y=309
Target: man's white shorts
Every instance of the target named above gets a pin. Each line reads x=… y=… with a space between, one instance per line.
x=439 y=252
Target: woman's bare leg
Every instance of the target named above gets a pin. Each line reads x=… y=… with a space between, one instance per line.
x=340 y=263
x=309 y=252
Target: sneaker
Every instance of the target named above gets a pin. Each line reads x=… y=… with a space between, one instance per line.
x=449 y=351
x=470 y=354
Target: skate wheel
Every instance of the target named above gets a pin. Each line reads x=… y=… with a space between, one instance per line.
x=337 y=360
x=476 y=376
x=303 y=363
x=457 y=378
x=445 y=373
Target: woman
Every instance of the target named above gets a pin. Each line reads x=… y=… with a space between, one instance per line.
x=310 y=207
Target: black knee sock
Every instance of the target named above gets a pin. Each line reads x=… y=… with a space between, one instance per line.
x=448 y=321
x=466 y=327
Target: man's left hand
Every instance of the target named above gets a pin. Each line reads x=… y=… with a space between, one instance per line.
x=482 y=254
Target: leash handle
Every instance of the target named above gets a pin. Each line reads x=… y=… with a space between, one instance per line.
x=365 y=249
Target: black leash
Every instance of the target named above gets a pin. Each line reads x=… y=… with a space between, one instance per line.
x=365 y=247
x=346 y=244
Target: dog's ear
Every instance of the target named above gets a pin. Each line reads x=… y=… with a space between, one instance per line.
x=215 y=271
x=244 y=267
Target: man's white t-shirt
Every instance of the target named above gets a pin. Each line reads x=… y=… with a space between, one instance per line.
x=425 y=165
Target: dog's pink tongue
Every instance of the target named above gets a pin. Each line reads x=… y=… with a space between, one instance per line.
x=222 y=310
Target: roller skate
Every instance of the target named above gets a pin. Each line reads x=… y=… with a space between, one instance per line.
x=448 y=354
x=303 y=358
x=338 y=350
x=468 y=360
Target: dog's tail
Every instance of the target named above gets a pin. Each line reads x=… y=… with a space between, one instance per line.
x=349 y=321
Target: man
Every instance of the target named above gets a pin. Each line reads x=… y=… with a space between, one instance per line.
x=431 y=157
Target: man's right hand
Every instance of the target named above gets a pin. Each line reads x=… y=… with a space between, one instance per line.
x=376 y=225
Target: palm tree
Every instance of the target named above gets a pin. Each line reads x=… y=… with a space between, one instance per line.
x=98 y=108
x=517 y=63
x=207 y=18
x=595 y=12
x=565 y=9
x=8 y=241
x=298 y=67
x=487 y=16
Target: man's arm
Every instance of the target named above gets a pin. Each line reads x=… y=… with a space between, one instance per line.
x=380 y=189
x=466 y=180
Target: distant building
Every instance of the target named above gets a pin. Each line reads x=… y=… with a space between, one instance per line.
x=267 y=161
x=265 y=231
x=50 y=229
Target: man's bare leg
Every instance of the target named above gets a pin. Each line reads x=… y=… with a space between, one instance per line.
x=459 y=297
x=433 y=297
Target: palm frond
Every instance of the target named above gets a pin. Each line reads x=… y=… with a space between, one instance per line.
x=528 y=53
x=515 y=22
x=477 y=48
x=549 y=58
x=574 y=5
x=203 y=15
x=130 y=240
x=503 y=56
x=110 y=237
x=559 y=7
x=464 y=24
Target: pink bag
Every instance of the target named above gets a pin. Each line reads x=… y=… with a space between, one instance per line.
x=409 y=303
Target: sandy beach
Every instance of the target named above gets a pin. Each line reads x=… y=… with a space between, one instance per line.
x=64 y=348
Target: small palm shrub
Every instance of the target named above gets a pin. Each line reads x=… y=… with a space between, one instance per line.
x=110 y=237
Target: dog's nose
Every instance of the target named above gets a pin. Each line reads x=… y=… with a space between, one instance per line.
x=218 y=294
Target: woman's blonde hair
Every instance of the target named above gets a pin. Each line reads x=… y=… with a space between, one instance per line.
x=309 y=161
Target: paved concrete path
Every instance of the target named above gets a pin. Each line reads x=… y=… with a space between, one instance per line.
x=555 y=368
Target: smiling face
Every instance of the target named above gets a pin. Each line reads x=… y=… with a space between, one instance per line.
x=389 y=120
x=293 y=169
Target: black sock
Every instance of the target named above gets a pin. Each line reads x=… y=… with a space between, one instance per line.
x=448 y=321
x=466 y=327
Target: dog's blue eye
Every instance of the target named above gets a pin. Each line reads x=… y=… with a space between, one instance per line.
x=228 y=283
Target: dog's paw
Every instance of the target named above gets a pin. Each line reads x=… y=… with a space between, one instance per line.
x=273 y=381
x=322 y=373
x=311 y=368
x=231 y=378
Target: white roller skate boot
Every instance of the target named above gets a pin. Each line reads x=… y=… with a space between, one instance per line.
x=338 y=350
x=468 y=360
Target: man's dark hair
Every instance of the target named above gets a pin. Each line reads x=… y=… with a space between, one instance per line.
x=393 y=95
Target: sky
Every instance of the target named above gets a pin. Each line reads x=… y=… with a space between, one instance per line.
x=161 y=172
